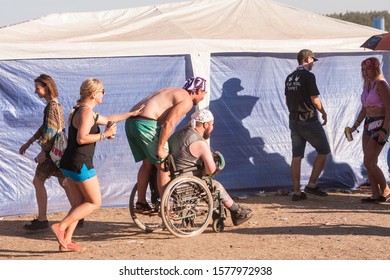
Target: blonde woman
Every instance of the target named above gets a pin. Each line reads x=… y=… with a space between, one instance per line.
x=375 y=112
x=77 y=161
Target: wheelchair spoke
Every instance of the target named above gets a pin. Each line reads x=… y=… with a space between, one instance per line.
x=188 y=207
x=146 y=221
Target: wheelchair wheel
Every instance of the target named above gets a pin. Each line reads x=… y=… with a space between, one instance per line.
x=219 y=224
x=187 y=206
x=145 y=221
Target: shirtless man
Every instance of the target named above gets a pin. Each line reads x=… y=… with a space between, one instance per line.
x=148 y=133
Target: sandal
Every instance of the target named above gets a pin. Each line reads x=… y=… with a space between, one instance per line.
x=383 y=198
x=60 y=234
x=72 y=247
x=144 y=208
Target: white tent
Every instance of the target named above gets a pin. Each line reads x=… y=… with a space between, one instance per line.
x=181 y=28
x=245 y=48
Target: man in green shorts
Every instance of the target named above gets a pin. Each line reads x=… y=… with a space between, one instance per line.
x=148 y=133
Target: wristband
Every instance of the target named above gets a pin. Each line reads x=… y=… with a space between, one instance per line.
x=102 y=136
x=354 y=127
x=357 y=122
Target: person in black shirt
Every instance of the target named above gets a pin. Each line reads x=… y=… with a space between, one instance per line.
x=303 y=102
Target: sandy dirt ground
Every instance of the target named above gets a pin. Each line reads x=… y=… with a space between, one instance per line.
x=337 y=227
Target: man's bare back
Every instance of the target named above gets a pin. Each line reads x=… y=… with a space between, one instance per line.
x=159 y=104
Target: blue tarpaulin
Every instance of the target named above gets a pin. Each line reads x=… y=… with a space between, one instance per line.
x=247 y=98
x=243 y=49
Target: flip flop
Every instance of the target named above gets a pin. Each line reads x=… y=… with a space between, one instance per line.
x=72 y=247
x=60 y=235
x=383 y=198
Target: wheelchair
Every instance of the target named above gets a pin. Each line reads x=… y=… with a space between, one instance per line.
x=188 y=204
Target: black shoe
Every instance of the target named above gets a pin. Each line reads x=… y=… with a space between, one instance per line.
x=297 y=197
x=315 y=191
x=242 y=215
x=36 y=225
x=369 y=199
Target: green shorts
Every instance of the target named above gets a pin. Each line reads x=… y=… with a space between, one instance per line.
x=143 y=136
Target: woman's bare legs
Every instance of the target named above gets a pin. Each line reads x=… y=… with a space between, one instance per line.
x=371 y=150
x=86 y=198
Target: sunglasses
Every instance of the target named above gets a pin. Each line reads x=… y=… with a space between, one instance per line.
x=102 y=91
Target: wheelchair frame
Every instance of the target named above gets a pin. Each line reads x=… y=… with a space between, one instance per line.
x=186 y=208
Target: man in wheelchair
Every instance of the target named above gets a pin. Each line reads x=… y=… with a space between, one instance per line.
x=188 y=147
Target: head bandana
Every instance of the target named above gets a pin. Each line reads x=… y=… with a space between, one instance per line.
x=371 y=62
x=195 y=83
x=201 y=116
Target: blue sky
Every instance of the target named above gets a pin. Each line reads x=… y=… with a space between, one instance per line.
x=16 y=11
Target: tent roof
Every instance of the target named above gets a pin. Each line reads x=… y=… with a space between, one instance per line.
x=186 y=27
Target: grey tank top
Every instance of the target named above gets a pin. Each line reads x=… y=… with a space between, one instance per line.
x=179 y=148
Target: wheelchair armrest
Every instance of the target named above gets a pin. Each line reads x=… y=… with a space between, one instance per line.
x=169 y=164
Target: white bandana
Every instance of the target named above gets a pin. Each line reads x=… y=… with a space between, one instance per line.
x=201 y=116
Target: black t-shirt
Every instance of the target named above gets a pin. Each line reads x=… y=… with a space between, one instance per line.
x=300 y=86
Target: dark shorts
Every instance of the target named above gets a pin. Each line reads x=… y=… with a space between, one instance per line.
x=47 y=169
x=308 y=131
x=81 y=176
x=372 y=126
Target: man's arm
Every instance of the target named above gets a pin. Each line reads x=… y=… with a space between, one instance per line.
x=318 y=104
x=177 y=112
x=201 y=149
